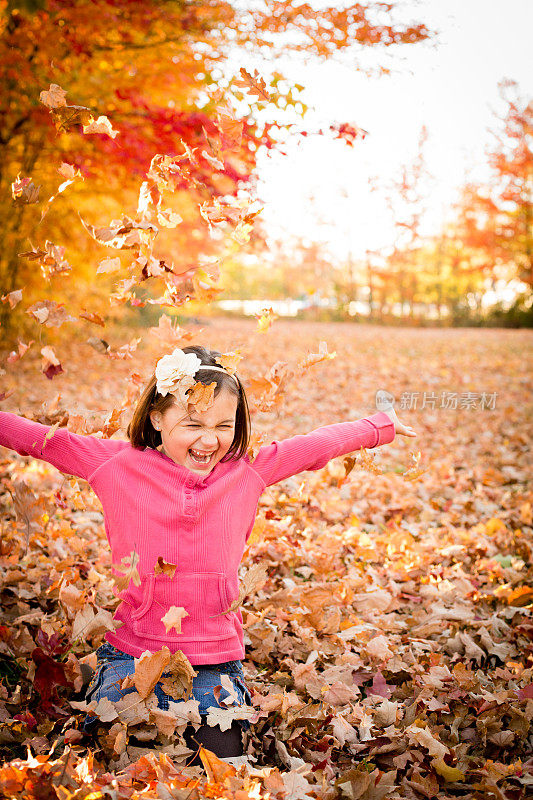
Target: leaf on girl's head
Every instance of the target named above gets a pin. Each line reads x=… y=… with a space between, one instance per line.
x=229 y=361
x=100 y=125
x=265 y=319
x=202 y=396
x=23 y=190
x=173 y=618
x=54 y=97
x=164 y=567
x=316 y=358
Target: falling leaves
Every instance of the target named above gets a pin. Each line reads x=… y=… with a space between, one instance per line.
x=387 y=621
x=253 y=579
x=173 y=618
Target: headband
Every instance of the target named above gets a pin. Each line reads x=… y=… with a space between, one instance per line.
x=171 y=370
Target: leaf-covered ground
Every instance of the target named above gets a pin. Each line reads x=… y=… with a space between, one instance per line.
x=390 y=651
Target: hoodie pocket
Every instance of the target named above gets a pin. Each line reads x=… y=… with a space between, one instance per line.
x=203 y=595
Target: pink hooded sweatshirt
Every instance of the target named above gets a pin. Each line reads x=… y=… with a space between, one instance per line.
x=154 y=507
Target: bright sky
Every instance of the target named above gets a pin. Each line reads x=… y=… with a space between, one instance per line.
x=450 y=86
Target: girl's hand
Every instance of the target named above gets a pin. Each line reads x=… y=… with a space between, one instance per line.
x=399 y=427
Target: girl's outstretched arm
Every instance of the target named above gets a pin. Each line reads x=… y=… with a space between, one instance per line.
x=313 y=450
x=69 y=452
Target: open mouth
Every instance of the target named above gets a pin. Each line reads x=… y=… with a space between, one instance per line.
x=200 y=458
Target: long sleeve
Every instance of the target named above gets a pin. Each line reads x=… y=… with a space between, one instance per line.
x=313 y=450
x=71 y=453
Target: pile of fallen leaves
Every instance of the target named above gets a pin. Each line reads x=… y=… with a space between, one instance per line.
x=390 y=649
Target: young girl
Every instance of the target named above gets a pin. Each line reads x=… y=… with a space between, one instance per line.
x=184 y=490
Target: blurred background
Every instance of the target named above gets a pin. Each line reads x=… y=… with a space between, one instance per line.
x=386 y=163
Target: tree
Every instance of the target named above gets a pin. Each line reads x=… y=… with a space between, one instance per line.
x=495 y=218
x=150 y=68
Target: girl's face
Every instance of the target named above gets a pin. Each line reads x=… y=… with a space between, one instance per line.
x=198 y=440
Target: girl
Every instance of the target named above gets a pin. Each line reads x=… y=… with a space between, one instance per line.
x=183 y=491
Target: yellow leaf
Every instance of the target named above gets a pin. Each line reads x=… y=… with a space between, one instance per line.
x=449 y=774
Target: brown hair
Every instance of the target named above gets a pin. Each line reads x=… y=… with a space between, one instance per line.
x=142 y=433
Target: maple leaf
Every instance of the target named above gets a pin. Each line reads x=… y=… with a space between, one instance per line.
x=148 y=669
x=367 y=462
x=54 y=97
x=50 y=365
x=216 y=769
x=252 y=580
x=230 y=128
x=257 y=440
x=22 y=349
x=128 y=570
x=165 y=568
x=202 y=396
x=173 y=618
x=168 y=218
x=229 y=361
x=13 y=298
x=177 y=679
x=23 y=190
x=414 y=471
x=348 y=464
x=121 y=234
x=265 y=320
x=89 y=623
x=224 y=717
x=100 y=125
x=92 y=316
x=52 y=261
x=315 y=358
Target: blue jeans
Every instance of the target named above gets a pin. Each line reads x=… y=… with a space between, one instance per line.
x=112 y=666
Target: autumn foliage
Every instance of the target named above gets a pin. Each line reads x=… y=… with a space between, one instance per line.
x=386 y=598
x=389 y=648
